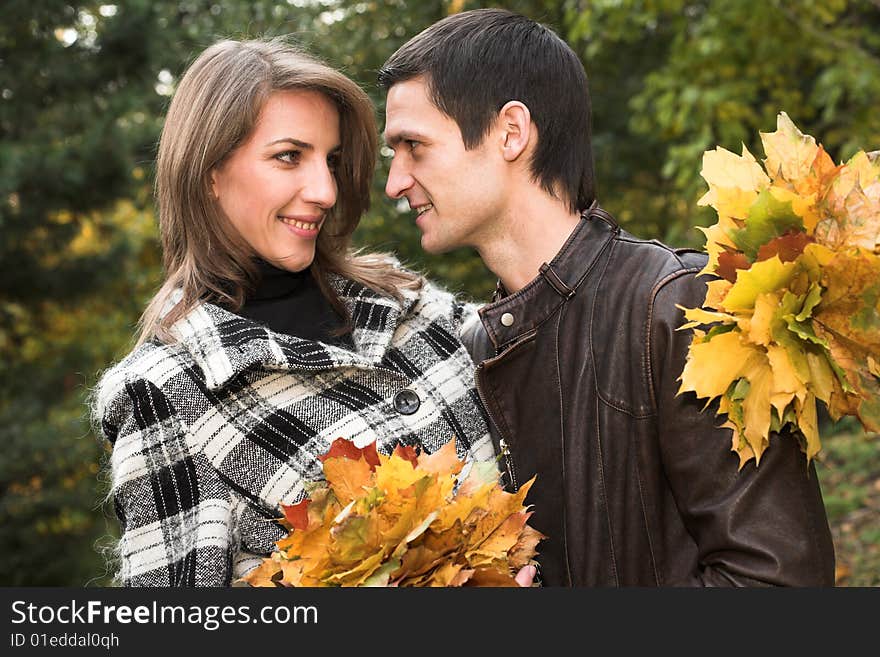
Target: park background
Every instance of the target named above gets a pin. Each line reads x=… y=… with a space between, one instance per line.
x=83 y=89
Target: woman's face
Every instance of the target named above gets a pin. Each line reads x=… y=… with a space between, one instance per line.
x=278 y=185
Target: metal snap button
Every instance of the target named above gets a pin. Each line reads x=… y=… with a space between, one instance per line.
x=406 y=402
x=507 y=319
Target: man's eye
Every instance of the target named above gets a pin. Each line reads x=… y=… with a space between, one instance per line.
x=411 y=143
x=288 y=157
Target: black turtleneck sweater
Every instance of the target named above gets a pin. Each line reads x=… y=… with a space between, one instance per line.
x=292 y=303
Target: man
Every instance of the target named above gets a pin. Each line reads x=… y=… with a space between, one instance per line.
x=578 y=355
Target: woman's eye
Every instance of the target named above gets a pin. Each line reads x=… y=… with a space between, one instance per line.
x=333 y=162
x=288 y=157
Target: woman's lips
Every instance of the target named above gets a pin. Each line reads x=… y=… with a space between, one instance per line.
x=302 y=226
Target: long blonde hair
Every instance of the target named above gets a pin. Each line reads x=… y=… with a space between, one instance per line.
x=214 y=109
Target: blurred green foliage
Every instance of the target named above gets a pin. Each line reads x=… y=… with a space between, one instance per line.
x=83 y=88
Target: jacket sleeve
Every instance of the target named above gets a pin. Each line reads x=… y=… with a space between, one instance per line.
x=755 y=526
x=173 y=510
x=462 y=315
x=471 y=327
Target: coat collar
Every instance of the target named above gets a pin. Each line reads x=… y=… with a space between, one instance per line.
x=556 y=282
x=224 y=344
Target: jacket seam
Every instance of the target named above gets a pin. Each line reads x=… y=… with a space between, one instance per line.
x=599 y=393
x=562 y=450
x=649 y=362
x=605 y=497
x=814 y=534
x=649 y=357
x=601 y=468
x=648 y=533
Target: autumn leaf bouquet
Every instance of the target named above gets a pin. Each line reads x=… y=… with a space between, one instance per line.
x=793 y=314
x=408 y=519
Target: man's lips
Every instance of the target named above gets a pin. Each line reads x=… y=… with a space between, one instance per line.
x=422 y=209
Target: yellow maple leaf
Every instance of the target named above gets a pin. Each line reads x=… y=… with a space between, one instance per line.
x=713 y=366
x=850 y=306
x=263 y=574
x=789 y=153
x=770 y=274
x=495 y=547
x=724 y=170
x=396 y=473
x=757 y=408
x=786 y=380
x=500 y=506
x=764 y=317
x=809 y=426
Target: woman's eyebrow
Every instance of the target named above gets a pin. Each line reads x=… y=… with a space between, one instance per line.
x=291 y=140
x=300 y=144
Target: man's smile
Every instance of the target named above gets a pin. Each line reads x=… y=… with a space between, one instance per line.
x=422 y=209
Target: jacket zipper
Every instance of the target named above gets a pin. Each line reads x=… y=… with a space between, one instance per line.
x=502 y=443
x=508 y=460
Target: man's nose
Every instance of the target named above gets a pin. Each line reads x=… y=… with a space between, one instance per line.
x=399 y=180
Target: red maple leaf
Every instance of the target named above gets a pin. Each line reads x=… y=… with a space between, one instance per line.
x=297 y=514
x=347 y=449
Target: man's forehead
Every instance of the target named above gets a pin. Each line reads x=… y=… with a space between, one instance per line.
x=410 y=114
x=406 y=99
x=410 y=91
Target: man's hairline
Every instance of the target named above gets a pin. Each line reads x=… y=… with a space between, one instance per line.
x=425 y=78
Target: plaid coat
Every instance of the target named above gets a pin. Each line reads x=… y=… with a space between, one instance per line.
x=211 y=433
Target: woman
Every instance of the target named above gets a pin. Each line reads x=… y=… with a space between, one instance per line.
x=269 y=337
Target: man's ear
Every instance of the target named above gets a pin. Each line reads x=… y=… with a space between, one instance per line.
x=515 y=124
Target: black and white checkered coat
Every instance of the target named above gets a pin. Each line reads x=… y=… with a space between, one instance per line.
x=211 y=433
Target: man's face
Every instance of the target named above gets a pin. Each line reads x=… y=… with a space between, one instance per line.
x=458 y=195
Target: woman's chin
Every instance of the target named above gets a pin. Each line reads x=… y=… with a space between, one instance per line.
x=293 y=263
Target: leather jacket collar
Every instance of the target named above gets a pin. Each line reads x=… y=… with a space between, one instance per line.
x=556 y=281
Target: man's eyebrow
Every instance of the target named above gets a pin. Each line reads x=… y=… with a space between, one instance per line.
x=393 y=139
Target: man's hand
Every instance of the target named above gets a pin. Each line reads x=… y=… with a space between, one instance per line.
x=526 y=576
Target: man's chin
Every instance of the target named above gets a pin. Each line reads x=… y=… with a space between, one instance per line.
x=434 y=247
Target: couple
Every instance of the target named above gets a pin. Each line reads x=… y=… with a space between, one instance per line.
x=270 y=337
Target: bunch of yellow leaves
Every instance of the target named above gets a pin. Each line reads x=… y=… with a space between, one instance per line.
x=795 y=310
x=402 y=520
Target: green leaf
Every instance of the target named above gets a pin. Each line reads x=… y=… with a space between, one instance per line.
x=768 y=219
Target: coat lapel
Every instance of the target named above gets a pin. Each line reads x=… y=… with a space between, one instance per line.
x=224 y=344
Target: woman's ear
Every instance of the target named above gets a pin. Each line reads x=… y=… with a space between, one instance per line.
x=214 y=185
x=515 y=123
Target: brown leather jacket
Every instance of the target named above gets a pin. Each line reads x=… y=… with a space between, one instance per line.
x=635 y=486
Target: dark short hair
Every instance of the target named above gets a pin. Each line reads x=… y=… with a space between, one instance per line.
x=476 y=61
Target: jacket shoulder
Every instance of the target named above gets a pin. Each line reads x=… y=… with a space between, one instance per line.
x=144 y=371
x=639 y=270
x=659 y=258
x=642 y=283
x=437 y=302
